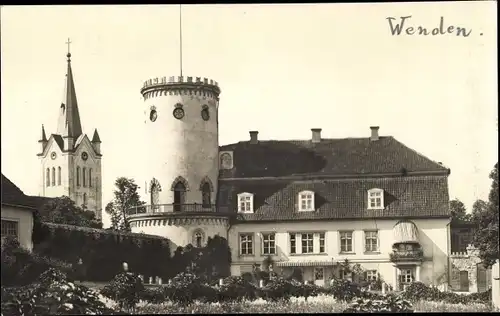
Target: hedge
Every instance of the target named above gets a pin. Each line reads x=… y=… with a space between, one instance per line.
x=104 y=251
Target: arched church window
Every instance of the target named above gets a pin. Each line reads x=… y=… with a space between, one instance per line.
x=58 y=175
x=179 y=196
x=77 y=176
x=53 y=176
x=206 y=195
x=84 y=176
x=90 y=177
x=85 y=199
x=47 y=177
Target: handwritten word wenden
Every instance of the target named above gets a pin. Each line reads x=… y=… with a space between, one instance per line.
x=397 y=29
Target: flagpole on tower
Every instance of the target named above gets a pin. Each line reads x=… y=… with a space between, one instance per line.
x=180 y=36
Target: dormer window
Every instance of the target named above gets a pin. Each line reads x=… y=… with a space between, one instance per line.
x=376 y=199
x=306 y=201
x=245 y=202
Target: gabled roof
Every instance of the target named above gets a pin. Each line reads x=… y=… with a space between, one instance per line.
x=12 y=195
x=348 y=156
x=276 y=200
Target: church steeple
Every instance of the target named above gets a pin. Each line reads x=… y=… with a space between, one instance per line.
x=69 y=124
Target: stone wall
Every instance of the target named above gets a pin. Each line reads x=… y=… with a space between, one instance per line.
x=464 y=261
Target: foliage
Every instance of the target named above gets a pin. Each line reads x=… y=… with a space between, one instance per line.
x=388 y=304
x=486 y=236
x=210 y=263
x=63 y=210
x=186 y=287
x=344 y=290
x=126 y=196
x=126 y=288
x=103 y=251
x=458 y=211
x=52 y=294
x=236 y=288
x=420 y=291
x=21 y=267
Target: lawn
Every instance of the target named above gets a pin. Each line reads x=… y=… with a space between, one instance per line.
x=319 y=304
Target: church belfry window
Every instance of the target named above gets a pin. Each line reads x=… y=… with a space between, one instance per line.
x=53 y=176
x=77 y=176
x=90 y=177
x=58 y=175
x=84 y=176
x=84 y=200
x=47 y=177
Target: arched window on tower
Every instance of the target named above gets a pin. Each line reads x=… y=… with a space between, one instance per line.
x=154 y=190
x=58 y=175
x=198 y=239
x=84 y=176
x=53 y=176
x=179 y=196
x=206 y=195
x=47 y=177
x=90 y=177
x=77 y=176
x=84 y=200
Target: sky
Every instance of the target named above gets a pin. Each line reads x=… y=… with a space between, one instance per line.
x=282 y=69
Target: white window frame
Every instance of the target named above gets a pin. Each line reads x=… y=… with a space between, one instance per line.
x=246 y=198
x=406 y=274
x=377 y=196
x=293 y=241
x=247 y=238
x=5 y=230
x=306 y=201
x=322 y=242
x=309 y=243
x=268 y=244
x=371 y=275
x=376 y=238
x=321 y=271
x=341 y=233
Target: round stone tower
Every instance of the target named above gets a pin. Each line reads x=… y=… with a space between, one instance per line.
x=181 y=166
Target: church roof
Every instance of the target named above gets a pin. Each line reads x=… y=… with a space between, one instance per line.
x=69 y=117
x=339 y=172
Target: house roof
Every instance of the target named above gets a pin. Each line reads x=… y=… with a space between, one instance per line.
x=347 y=156
x=277 y=200
x=340 y=172
x=12 y=195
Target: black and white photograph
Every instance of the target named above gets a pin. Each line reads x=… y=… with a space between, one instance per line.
x=249 y=158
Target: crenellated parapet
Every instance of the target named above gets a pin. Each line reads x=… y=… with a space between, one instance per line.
x=180 y=85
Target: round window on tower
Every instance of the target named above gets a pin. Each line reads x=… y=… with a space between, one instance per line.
x=205 y=114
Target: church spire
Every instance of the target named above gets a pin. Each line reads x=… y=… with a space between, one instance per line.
x=44 y=136
x=69 y=124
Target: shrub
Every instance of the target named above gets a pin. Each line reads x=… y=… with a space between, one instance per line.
x=419 y=291
x=344 y=290
x=52 y=294
x=236 y=288
x=126 y=289
x=388 y=304
x=186 y=287
x=21 y=267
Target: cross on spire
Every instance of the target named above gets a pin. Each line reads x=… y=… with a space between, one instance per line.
x=69 y=53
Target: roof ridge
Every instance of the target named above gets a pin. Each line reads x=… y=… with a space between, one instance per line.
x=305 y=140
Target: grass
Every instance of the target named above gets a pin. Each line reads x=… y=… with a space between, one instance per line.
x=320 y=304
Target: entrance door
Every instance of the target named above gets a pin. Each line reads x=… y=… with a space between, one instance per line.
x=319 y=276
x=482 y=284
x=464 y=281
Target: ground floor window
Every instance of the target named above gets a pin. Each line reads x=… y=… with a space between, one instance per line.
x=10 y=228
x=319 y=274
x=406 y=277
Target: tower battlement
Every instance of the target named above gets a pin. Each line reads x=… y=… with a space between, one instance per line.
x=180 y=85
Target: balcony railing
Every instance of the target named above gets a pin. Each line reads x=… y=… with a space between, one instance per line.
x=172 y=208
x=407 y=255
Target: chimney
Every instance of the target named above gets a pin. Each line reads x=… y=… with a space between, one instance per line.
x=254 y=137
x=374 y=136
x=316 y=135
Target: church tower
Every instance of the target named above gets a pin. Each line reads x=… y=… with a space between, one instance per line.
x=70 y=162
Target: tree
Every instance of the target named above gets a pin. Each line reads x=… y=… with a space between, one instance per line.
x=458 y=211
x=479 y=207
x=126 y=196
x=63 y=210
x=486 y=237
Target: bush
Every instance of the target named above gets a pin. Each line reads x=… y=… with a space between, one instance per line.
x=419 y=291
x=344 y=290
x=236 y=288
x=126 y=289
x=388 y=304
x=21 y=267
x=187 y=287
x=52 y=294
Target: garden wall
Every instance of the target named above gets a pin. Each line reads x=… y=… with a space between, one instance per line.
x=495 y=284
x=104 y=251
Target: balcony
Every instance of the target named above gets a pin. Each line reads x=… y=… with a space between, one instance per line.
x=160 y=209
x=406 y=255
